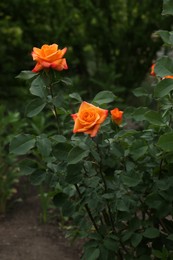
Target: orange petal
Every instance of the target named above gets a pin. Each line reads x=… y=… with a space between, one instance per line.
x=37 y=67
x=93 y=131
x=49 y=48
x=152 y=73
x=36 y=51
x=62 y=52
x=45 y=64
x=168 y=77
x=74 y=116
x=59 y=65
x=56 y=55
x=78 y=127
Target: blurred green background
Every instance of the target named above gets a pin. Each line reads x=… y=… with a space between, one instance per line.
x=111 y=44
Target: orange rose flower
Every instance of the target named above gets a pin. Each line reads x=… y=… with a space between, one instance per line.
x=152 y=73
x=49 y=56
x=88 y=119
x=117 y=116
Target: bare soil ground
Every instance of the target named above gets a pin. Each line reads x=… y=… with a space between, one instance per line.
x=23 y=237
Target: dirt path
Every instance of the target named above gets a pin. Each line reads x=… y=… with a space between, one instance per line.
x=22 y=237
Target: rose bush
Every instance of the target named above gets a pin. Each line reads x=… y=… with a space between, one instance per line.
x=114 y=186
x=49 y=56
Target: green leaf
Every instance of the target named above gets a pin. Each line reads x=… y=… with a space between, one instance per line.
x=127 y=235
x=167 y=7
x=61 y=151
x=25 y=171
x=166 y=36
x=38 y=88
x=74 y=174
x=108 y=195
x=76 y=96
x=165 y=253
x=166 y=142
x=27 y=166
x=62 y=111
x=139 y=113
x=126 y=133
x=22 y=144
x=26 y=74
x=138 y=149
x=121 y=206
x=170 y=237
x=163 y=88
x=151 y=232
x=131 y=180
x=66 y=81
x=154 y=200
x=76 y=155
x=92 y=243
x=59 y=138
x=44 y=145
x=157 y=253
x=35 y=107
x=37 y=177
x=104 y=97
x=92 y=253
x=140 y=92
x=164 y=67
x=136 y=239
x=92 y=182
x=68 y=209
x=110 y=244
x=164 y=184
x=154 y=118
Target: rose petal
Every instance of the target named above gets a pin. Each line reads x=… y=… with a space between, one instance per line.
x=37 y=67
x=59 y=65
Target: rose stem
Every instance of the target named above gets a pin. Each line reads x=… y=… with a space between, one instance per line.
x=88 y=210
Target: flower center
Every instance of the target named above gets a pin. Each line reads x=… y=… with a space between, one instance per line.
x=88 y=116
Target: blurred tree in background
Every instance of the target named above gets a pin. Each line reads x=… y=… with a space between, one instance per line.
x=110 y=43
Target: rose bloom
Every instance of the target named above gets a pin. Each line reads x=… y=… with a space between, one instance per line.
x=49 y=56
x=117 y=116
x=88 y=119
x=152 y=73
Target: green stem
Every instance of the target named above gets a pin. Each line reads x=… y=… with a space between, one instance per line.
x=108 y=206
x=88 y=210
x=54 y=108
x=49 y=85
x=105 y=188
x=160 y=168
x=109 y=209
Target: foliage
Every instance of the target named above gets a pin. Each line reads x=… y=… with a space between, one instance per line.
x=116 y=187
x=96 y=33
x=11 y=124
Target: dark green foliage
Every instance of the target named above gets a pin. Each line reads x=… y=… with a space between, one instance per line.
x=110 y=44
x=11 y=124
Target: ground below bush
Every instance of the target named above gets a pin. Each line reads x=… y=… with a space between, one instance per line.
x=23 y=237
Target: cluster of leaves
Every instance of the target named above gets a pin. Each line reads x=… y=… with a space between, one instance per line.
x=11 y=124
x=116 y=187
